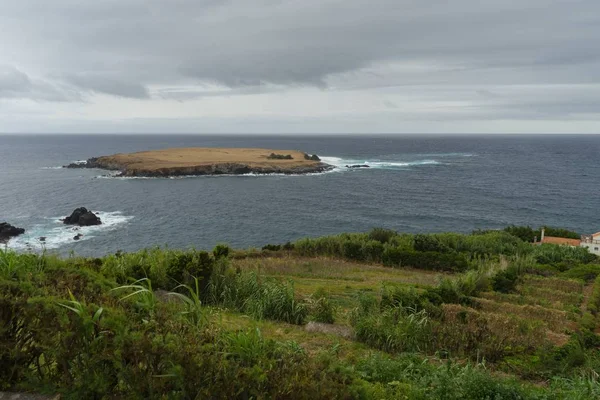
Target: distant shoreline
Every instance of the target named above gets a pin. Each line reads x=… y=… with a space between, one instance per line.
x=206 y=161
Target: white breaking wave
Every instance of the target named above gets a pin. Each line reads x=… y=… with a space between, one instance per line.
x=57 y=234
x=72 y=162
x=342 y=163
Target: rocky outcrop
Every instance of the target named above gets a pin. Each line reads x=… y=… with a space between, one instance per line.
x=358 y=166
x=89 y=163
x=108 y=163
x=7 y=231
x=82 y=217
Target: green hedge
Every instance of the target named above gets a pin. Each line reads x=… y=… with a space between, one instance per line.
x=428 y=260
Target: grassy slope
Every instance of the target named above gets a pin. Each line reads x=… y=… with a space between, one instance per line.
x=534 y=335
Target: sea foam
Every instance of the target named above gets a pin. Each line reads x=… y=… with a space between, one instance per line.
x=57 y=234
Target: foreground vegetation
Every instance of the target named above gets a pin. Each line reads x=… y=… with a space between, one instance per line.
x=367 y=316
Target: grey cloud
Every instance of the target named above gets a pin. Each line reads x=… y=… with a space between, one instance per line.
x=17 y=84
x=13 y=81
x=101 y=83
x=283 y=42
x=428 y=49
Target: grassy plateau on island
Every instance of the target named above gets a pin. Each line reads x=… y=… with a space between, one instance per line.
x=376 y=315
x=207 y=161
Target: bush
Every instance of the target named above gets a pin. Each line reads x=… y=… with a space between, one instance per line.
x=381 y=235
x=484 y=245
x=271 y=247
x=585 y=272
x=429 y=243
x=274 y=156
x=558 y=232
x=505 y=281
x=221 y=251
x=396 y=257
x=525 y=233
x=566 y=255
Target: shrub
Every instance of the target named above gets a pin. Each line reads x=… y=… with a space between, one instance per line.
x=484 y=245
x=271 y=247
x=352 y=250
x=559 y=232
x=505 y=281
x=525 y=233
x=274 y=156
x=585 y=272
x=381 y=235
x=429 y=243
x=553 y=254
x=221 y=251
x=397 y=257
x=372 y=251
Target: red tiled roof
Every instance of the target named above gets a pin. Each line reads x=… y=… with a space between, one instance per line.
x=561 y=241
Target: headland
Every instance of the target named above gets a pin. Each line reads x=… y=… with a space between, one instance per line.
x=207 y=161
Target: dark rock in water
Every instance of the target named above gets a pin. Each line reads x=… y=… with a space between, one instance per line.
x=89 y=163
x=82 y=217
x=89 y=218
x=358 y=166
x=7 y=231
x=77 y=237
x=42 y=238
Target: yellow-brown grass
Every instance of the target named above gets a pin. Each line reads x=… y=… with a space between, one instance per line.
x=199 y=156
x=552 y=296
x=466 y=330
x=556 y=320
x=564 y=285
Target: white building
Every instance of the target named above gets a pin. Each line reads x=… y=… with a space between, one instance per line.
x=591 y=242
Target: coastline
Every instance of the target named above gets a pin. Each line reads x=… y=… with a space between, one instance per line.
x=206 y=161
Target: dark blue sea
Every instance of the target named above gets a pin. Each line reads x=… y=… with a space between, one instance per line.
x=415 y=184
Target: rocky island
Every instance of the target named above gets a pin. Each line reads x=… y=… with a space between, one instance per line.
x=207 y=161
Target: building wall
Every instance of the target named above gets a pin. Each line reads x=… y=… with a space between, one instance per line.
x=593 y=248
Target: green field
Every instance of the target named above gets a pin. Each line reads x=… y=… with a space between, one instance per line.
x=373 y=315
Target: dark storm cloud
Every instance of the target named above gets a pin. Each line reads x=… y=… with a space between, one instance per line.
x=123 y=47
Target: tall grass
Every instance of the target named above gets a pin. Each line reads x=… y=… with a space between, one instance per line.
x=394 y=329
x=142 y=292
x=260 y=298
x=194 y=312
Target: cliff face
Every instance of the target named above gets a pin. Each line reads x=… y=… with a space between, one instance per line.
x=162 y=164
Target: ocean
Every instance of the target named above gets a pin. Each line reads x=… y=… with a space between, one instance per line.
x=415 y=183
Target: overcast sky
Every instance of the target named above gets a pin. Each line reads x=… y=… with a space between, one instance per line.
x=300 y=66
